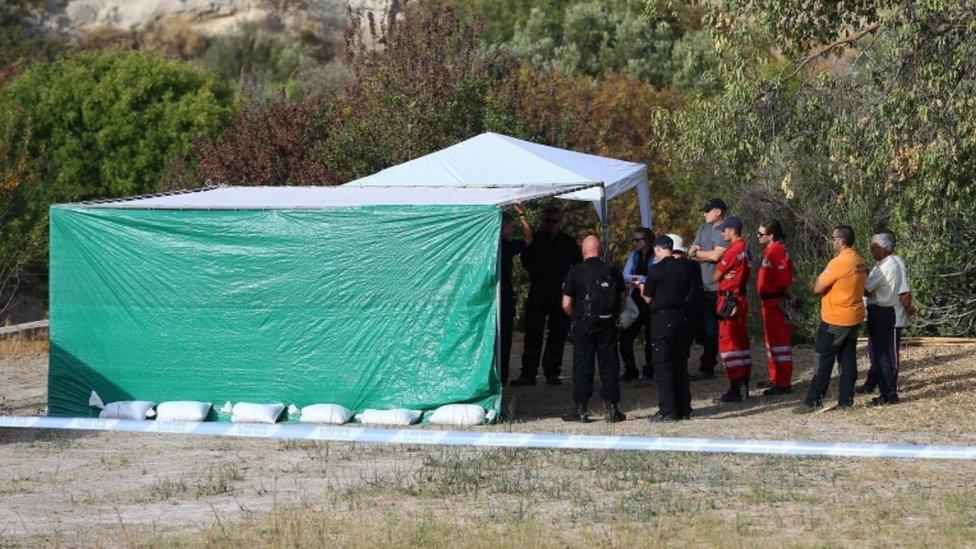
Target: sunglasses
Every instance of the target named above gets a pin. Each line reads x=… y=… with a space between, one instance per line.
x=553 y=221
x=760 y=235
x=638 y=239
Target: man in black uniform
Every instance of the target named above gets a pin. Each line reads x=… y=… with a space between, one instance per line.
x=667 y=289
x=510 y=247
x=696 y=299
x=550 y=256
x=593 y=295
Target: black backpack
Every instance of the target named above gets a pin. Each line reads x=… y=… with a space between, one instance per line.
x=601 y=302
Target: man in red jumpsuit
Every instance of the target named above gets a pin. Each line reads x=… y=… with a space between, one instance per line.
x=732 y=275
x=775 y=290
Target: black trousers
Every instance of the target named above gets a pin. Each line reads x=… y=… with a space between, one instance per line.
x=670 y=361
x=707 y=332
x=883 y=341
x=629 y=334
x=544 y=310
x=507 y=328
x=835 y=343
x=591 y=343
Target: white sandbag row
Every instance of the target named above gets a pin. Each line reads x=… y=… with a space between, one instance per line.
x=250 y=412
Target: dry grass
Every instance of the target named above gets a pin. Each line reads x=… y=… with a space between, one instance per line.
x=33 y=342
x=122 y=489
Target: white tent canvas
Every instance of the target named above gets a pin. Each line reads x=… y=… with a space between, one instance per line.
x=491 y=160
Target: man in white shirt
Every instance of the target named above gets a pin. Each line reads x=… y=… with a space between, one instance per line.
x=883 y=296
x=904 y=309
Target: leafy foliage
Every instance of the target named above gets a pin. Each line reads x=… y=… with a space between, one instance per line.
x=281 y=142
x=865 y=118
x=422 y=90
x=257 y=61
x=99 y=125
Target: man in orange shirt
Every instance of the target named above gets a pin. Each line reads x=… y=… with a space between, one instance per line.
x=732 y=275
x=841 y=287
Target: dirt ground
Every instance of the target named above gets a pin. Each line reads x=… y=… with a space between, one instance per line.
x=77 y=488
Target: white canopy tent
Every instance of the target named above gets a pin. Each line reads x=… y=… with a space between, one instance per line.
x=491 y=160
x=298 y=198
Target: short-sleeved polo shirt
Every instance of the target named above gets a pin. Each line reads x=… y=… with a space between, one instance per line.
x=843 y=302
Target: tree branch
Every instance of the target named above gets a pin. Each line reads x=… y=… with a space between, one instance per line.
x=833 y=45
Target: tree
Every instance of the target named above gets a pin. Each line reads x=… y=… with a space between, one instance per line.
x=421 y=88
x=281 y=142
x=857 y=112
x=100 y=125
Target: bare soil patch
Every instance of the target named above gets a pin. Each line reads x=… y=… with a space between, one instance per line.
x=115 y=488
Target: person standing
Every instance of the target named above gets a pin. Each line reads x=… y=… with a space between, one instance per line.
x=904 y=309
x=593 y=296
x=882 y=288
x=707 y=250
x=693 y=305
x=841 y=287
x=510 y=247
x=635 y=269
x=550 y=256
x=667 y=289
x=775 y=286
x=732 y=275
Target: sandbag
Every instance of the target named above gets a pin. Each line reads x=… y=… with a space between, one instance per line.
x=398 y=416
x=332 y=414
x=127 y=409
x=182 y=410
x=458 y=414
x=250 y=412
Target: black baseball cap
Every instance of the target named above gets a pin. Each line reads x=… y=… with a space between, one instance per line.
x=665 y=242
x=712 y=204
x=731 y=222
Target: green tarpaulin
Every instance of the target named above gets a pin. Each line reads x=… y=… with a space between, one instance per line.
x=367 y=306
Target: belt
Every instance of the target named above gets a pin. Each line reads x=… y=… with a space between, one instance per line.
x=873 y=306
x=668 y=310
x=771 y=295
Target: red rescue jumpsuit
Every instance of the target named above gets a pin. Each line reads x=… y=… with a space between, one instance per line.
x=775 y=278
x=733 y=333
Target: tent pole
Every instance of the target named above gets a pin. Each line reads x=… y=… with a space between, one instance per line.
x=605 y=217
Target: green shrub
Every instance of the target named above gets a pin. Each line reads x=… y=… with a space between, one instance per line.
x=100 y=125
x=261 y=63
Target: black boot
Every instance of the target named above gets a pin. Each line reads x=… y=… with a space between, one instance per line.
x=578 y=414
x=734 y=394
x=611 y=413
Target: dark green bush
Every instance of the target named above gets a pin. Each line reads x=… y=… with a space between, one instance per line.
x=95 y=125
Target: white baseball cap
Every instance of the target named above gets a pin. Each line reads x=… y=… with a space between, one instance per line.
x=679 y=243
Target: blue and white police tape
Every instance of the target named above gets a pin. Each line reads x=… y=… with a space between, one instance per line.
x=501 y=439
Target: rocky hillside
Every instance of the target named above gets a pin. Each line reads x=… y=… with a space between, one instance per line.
x=207 y=17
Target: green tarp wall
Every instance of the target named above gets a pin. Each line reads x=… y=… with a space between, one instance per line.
x=368 y=307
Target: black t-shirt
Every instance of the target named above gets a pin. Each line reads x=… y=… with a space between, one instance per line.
x=574 y=285
x=668 y=283
x=549 y=258
x=510 y=249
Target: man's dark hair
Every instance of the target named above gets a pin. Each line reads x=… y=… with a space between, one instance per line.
x=846 y=234
x=552 y=210
x=773 y=227
x=507 y=218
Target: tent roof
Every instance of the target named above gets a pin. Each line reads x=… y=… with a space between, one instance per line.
x=495 y=160
x=261 y=198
